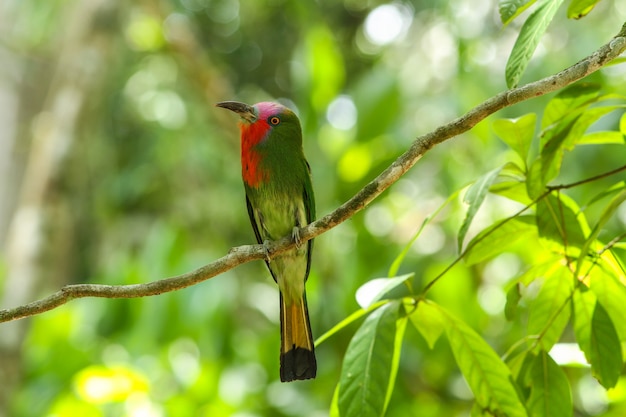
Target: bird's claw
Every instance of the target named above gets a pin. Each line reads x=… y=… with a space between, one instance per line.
x=266 y=248
x=295 y=235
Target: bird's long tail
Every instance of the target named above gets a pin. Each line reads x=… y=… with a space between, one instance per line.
x=297 y=355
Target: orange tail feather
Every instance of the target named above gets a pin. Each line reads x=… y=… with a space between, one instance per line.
x=297 y=354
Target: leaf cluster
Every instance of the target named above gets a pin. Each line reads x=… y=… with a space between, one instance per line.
x=574 y=278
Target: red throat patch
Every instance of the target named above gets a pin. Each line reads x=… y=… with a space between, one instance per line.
x=252 y=135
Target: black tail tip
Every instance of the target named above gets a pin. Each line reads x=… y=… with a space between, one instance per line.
x=297 y=363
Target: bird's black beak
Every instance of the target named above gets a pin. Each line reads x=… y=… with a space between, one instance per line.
x=245 y=111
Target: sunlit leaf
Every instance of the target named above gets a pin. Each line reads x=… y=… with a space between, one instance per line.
x=519 y=365
x=602 y=138
x=549 y=312
x=553 y=148
x=513 y=297
x=584 y=302
x=334 y=403
x=367 y=368
x=586 y=119
x=577 y=96
x=580 y=8
x=513 y=190
x=375 y=289
x=606 y=350
x=539 y=269
x=517 y=133
x=475 y=196
x=499 y=237
x=560 y=223
x=532 y=31
x=510 y=9
x=550 y=394
x=611 y=293
x=606 y=215
x=395 y=361
x=487 y=376
x=428 y=321
x=535 y=181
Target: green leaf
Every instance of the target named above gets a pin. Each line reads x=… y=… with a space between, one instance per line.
x=606 y=215
x=334 y=403
x=554 y=142
x=584 y=302
x=475 y=196
x=535 y=182
x=622 y=123
x=560 y=223
x=602 y=138
x=580 y=8
x=550 y=394
x=606 y=350
x=575 y=97
x=347 y=321
x=517 y=133
x=395 y=361
x=498 y=238
x=368 y=365
x=584 y=122
x=487 y=376
x=510 y=9
x=375 y=289
x=532 y=31
x=540 y=268
x=513 y=297
x=428 y=321
x=513 y=190
x=549 y=312
x=611 y=293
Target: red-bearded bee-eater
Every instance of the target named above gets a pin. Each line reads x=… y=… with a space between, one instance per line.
x=280 y=200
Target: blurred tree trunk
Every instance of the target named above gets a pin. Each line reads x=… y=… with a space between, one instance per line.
x=39 y=232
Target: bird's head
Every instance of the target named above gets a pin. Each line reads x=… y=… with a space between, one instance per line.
x=264 y=120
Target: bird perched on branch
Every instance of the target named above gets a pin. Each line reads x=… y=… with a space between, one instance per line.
x=280 y=200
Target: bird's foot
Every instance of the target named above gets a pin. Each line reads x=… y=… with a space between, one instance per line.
x=266 y=248
x=295 y=235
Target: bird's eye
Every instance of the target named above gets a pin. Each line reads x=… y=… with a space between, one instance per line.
x=274 y=120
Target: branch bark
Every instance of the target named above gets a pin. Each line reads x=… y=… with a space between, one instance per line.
x=242 y=254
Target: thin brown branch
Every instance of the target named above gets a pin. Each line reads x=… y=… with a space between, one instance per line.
x=420 y=146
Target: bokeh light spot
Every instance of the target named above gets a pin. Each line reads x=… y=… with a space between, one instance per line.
x=144 y=33
x=355 y=163
x=387 y=23
x=342 y=113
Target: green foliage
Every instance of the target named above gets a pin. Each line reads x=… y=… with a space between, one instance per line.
x=532 y=31
x=370 y=364
x=549 y=389
x=534 y=27
x=568 y=257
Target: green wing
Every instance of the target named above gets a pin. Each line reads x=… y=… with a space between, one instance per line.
x=309 y=204
x=257 y=233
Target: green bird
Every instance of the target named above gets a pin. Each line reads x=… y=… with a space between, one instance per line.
x=280 y=200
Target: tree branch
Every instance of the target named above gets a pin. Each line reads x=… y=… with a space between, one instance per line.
x=242 y=254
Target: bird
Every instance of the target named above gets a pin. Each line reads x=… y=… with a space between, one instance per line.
x=280 y=200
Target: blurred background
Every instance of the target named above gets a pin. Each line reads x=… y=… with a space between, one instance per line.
x=116 y=168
